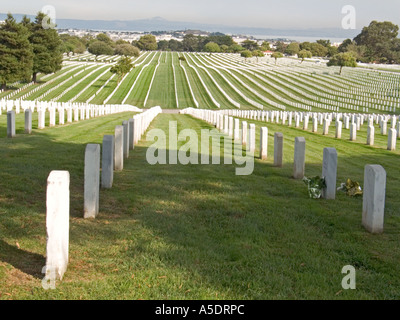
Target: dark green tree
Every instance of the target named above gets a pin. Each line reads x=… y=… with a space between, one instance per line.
x=123 y=66
x=106 y=39
x=265 y=46
x=47 y=47
x=147 y=42
x=345 y=59
x=212 y=47
x=304 y=54
x=175 y=45
x=126 y=50
x=100 y=48
x=236 y=48
x=344 y=45
x=258 y=54
x=277 y=55
x=293 y=49
x=246 y=54
x=16 y=53
x=250 y=45
x=280 y=46
x=190 y=43
x=163 y=45
x=380 y=39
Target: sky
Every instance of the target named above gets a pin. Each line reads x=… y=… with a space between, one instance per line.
x=282 y=14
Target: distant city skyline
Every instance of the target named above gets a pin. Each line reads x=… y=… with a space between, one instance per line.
x=251 y=13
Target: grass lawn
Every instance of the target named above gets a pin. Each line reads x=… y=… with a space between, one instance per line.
x=195 y=231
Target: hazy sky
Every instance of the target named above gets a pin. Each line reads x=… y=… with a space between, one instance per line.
x=251 y=13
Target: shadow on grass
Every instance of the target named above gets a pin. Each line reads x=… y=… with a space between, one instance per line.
x=257 y=236
x=27 y=262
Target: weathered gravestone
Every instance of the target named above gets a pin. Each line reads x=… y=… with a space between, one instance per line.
x=57 y=224
x=392 y=139
x=119 y=148
x=107 y=172
x=278 y=149
x=329 y=172
x=92 y=181
x=11 y=124
x=125 y=126
x=299 y=158
x=252 y=138
x=28 y=121
x=374 y=198
x=264 y=143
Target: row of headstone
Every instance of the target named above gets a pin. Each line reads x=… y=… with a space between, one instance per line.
x=114 y=151
x=73 y=113
x=352 y=122
x=58 y=192
x=375 y=175
x=320 y=97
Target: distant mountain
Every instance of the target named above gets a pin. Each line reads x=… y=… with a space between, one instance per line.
x=161 y=24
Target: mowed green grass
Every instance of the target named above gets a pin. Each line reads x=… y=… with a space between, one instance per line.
x=162 y=92
x=194 y=231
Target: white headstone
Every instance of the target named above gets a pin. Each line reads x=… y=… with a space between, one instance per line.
x=329 y=172
x=92 y=181
x=374 y=198
x=299 y=157
x=57 y=223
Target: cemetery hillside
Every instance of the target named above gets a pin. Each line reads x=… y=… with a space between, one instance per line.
x=199 y=169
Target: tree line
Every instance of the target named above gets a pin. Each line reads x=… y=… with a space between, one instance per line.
x=27 y=48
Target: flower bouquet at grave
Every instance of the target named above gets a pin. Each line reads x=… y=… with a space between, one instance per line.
x=352 y=188
x=315 y=186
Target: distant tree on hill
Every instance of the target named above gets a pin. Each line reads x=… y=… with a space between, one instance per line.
x=147 y=42
x=16 y=53
x=293 y=49
x=127 y=50
x=163 y=45
x=123 y=66
x=258 y=54
x=224 y=48
x=304 y=54
x=72 y=44
x=250 y=45
x=280 y=46
x=325 y=43
x=345 y=59
x=190 y=43
x=175 y=45
x=212 y=47
x=246 y=54
x=381 y=42
x=344 y=45
x=100 y=48
x=265 y=46
x=106 y=39
x=47 y=47
x=236 y=48
x=277 y=55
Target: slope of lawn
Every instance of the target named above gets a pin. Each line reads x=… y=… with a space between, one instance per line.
x=194 y=231
x=162 y=92
x=185 y=98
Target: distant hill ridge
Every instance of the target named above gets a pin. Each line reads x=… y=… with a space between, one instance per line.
x=161 y=24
